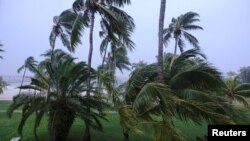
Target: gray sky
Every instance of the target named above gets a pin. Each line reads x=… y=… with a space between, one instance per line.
x=25 y=26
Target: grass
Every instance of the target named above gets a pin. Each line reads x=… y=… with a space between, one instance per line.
x=4 y=104
x=112 y=128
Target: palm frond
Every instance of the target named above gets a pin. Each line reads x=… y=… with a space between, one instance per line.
x=20 y=69
x=192 y=27
x=167 y=34
x=154 y=93
x=1 y=50
x=165 y=130
x=192 y=40
x=67 y=17
x=104 y=45
x=245 y=93
x=200 y=111
x=81 y=21
x=66 y=41
x=52 y=37
x=241 y=99
x=119 y=3
x=243 y=86
x=187 y=17
x=128 y=119
x=106 y=12
x=181 y=45
x=201 y=77
x=38 y=119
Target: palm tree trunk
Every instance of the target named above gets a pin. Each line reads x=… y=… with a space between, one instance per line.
x=22 y=80
x=160 y=41
x=104 y=56
x=52 y=50
x=125 y=135
x=176 y=44
x=87 y=136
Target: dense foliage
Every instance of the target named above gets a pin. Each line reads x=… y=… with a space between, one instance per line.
x=59 y=92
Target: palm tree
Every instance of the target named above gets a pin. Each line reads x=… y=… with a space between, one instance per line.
x=179 y=28
x=111 y=14
x=29 y=64
x=1 y=50
x=62 y=87
x=235 y=90
x=160 y=40
x=189 y=93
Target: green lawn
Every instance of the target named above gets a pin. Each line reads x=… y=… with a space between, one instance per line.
x=112 y=128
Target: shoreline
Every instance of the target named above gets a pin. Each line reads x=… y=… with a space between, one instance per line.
x=9 y=92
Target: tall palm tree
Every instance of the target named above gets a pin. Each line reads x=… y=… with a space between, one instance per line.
x=62 y=87
x=29 y=64
x=111 y=14
x=160 y=40
x=179 y=28
x=189 y=93
x=236 y=91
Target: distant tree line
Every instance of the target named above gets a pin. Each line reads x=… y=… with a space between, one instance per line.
x=243 y=76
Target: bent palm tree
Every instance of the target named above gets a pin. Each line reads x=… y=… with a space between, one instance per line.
x=29 y=64
x=179 y=28
x=189 y=93
x=62 y=87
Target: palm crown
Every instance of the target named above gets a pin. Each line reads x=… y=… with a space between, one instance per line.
x=179 y=28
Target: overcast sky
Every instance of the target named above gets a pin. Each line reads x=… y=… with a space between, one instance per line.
x=25 y=26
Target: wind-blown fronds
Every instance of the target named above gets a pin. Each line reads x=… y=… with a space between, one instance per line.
x=119 y=3
x=191 y=91
x=1 y=50
x=63 y=27
x=179 y=27
x=80 y=22
x=128 y=119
